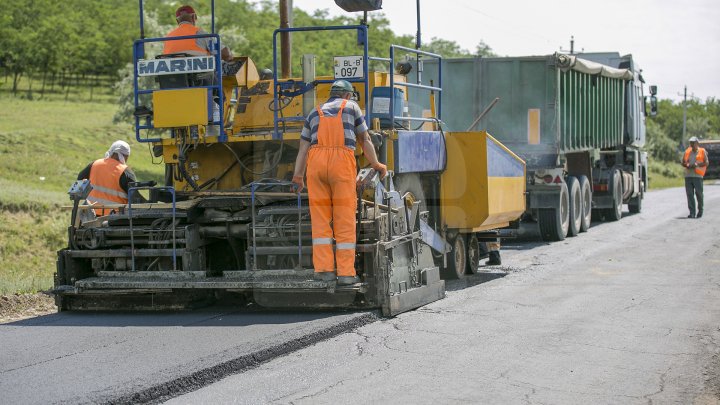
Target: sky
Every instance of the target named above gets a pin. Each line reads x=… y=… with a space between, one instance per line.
x=675 y=43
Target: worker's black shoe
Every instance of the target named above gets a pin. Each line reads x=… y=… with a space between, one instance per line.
x=348 y=280
x=699 y=215
x=494 y=258
x=692 y=216
x=324 y=276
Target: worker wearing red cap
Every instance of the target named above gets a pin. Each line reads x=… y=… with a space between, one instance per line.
x=186 y=19
x=327 y=147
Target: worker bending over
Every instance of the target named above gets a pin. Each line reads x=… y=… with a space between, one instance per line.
x=695 y=161
x=186 y=19
x=327 y=148
x=109 y=177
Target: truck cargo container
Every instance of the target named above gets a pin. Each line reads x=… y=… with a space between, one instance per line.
x=578 y=121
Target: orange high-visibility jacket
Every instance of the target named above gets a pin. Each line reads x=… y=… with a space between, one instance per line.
x=700 y=157
x=105 y=179
x=189 y=45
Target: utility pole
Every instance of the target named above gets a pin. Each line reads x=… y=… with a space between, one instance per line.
x=684 y=139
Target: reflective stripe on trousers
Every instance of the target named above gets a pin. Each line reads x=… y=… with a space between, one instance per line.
x=331 y=175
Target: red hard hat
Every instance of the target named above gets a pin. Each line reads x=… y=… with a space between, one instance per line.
x=184 y=10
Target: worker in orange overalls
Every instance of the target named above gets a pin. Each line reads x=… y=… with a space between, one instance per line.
x=110 y=178
x=695 y=161
x=327 y=148
x=186 y=19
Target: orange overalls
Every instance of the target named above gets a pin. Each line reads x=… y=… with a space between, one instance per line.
x=331 y=172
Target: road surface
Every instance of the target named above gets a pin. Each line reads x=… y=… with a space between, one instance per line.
x=626 y=313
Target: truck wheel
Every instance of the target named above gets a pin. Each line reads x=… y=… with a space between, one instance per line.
x=554 y=222
x=615 y=213
x=575 y=206
x=586 y=193
x=473 y=254
x=635 y=204
x=457 y=259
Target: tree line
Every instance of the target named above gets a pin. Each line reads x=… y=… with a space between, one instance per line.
x=47 y=40
x=665 y=131
x=88 y=42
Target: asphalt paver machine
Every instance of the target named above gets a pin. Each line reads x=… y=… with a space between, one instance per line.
x=228 y=224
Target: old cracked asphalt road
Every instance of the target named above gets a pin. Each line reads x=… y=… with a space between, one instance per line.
x=626 y=313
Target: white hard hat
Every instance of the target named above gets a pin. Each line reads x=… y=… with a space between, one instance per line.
x=693 y=139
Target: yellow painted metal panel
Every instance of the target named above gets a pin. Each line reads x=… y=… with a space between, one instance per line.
x=534 y=126
x=180 y=108
x=506 y=200
x=470 y=199
x=254 y=104
x=463 y=184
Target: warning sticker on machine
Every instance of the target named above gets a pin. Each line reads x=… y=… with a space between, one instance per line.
x=349 y=67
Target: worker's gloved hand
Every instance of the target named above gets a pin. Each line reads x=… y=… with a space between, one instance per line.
x=381 y=169
x=299 y=183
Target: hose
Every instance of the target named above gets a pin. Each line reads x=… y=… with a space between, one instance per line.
x=181 y=167
x=272 y=166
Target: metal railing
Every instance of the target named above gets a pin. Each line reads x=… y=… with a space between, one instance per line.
x=254 y=226
x=362 y=32
x=417 y=85
x=139 y=53
x=131 y=191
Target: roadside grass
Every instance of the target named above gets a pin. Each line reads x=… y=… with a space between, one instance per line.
x=665 y=175
x=28 y=241
x=43 y=145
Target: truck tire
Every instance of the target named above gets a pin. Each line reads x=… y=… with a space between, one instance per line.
x=615 y=213
x=474 y=252
x=554 y=222
x=586 y=193
x=575 y=206
x=635 y=204
x=457 y=259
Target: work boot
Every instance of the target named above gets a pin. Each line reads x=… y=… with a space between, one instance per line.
x=348 y=280
x=692 y=215
x=324 y=276
x=493 y=258
x=699 y=215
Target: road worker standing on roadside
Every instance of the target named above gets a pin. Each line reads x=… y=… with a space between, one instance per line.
x=110 y=178
x=695 y=161
x=327 y=148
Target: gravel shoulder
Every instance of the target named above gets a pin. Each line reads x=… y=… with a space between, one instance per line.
x=16 y=307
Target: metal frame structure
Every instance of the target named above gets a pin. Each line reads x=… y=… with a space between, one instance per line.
x=362 y=35
x=417 y=85
x=139 y=52
x=132 y=190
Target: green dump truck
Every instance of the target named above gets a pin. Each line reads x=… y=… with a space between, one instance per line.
x=577 y=120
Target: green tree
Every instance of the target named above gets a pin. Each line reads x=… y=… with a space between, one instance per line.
x=698 y=126
x=660 y=146
x=484 y=50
